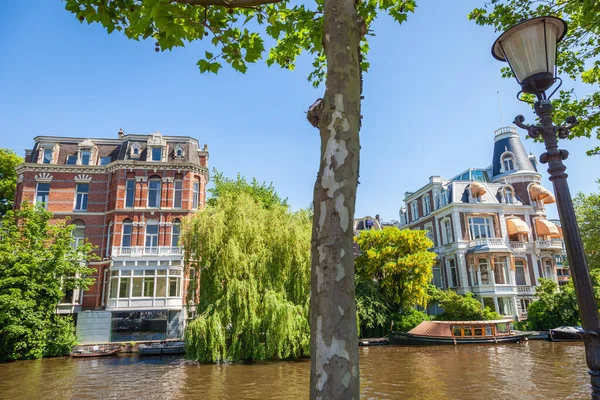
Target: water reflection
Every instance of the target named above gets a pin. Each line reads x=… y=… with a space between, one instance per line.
x=535 y=370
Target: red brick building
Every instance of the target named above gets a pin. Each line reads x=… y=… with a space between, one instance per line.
x=126 y=196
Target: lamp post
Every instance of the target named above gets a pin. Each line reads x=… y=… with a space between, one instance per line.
x=530 y=50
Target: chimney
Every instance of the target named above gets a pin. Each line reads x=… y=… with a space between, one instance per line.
x=121 y=133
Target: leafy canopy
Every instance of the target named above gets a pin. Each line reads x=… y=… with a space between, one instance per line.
x=399 y=261
x=577 y=58
x=259 y=191
x=236 y=32
x=8 y=179
x=37 y=264
x=460 y=307
x=587 y=208
x=255 y=275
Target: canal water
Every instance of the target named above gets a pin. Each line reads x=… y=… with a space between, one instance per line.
x=534 y=370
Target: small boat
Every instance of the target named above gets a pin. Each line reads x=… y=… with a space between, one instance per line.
x=156 y=349
x=459 y=332
x=95 y=351
x=383 y=341
x=565 y=334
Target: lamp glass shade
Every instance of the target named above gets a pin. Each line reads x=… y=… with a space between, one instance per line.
x=530 y=49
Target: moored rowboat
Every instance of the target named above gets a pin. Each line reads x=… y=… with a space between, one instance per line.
x=95 y=351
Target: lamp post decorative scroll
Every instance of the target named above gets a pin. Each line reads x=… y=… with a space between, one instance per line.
x=530 y=50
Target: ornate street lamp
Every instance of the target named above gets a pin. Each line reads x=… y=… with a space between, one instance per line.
x=530 y=50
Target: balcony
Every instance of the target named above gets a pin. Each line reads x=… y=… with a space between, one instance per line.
x=554 y=244
x=526 y=290
x=487 y=242
x=495 y=289
x=139 y=251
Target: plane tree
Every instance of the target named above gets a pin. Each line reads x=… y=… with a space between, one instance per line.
x=335 y=33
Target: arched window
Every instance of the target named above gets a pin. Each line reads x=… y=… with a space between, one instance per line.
x=175 y=233
x=78 y=233
x=152 y=233
x=508 y=162
x=126 y=235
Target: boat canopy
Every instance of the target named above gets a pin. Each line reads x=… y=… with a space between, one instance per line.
x=443 y=328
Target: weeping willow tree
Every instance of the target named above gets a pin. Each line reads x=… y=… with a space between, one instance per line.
x=254 y=257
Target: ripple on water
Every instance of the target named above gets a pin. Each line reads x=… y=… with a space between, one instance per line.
x=534 y=370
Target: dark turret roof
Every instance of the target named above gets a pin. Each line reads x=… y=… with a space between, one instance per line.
x=507 y=139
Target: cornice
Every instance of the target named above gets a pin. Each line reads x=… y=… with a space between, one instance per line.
x=114 y=166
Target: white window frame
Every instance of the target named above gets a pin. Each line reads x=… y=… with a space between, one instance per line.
x=450 y=266
x=447 y=230
x=126 y=224
x=508 y=162
x=487 y=225
x=130 y=190
x=178 y=191
x=81 y=197
x=157 y=191
x=152 y=236
x=426 y=205
x=522 y=262
x=78 y=240
x=176 y=225
x=37 y=194
x=414 y=211
x=196 y=195
x=429 y=232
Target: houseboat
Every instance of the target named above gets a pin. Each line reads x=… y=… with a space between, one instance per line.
x=459 y=332
x=156 y=349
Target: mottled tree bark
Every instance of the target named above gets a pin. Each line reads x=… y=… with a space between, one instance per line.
x=334 y=338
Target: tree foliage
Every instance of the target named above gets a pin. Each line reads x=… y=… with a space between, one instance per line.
x=234 y=32
x=8 y=179
x=587 y=208
x=399 y=260
x=373 y=309
x=255 y=272
x=37 y=264
x=578 y=53
x=460 y=307
x=262 y=192
x=553 y=308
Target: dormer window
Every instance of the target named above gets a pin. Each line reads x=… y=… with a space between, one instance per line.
x=156 y=154
x=47 y=153
x=47 y=156
x=85 y=157
x=135 y=150
x=157 y=147
x=179 y=153
x=508 y=163
x=86 y=152
x=509 y=196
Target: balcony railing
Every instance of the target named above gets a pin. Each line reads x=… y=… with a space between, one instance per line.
x=136 y=251
x=517 y=245
x=549 y=244
x=499 y=288
x=525 y=290
x=490 y=242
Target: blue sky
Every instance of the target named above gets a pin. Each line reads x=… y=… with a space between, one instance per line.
x=430 y=104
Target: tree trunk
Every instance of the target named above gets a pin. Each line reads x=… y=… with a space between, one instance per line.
x=334 y=337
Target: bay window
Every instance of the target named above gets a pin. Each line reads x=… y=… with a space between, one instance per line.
x=520 y=273
x=145 y=283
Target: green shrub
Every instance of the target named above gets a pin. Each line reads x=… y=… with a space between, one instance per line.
x=60 y=336
x=407 y=320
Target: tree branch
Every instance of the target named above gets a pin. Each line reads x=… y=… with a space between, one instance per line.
x=227 y=3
